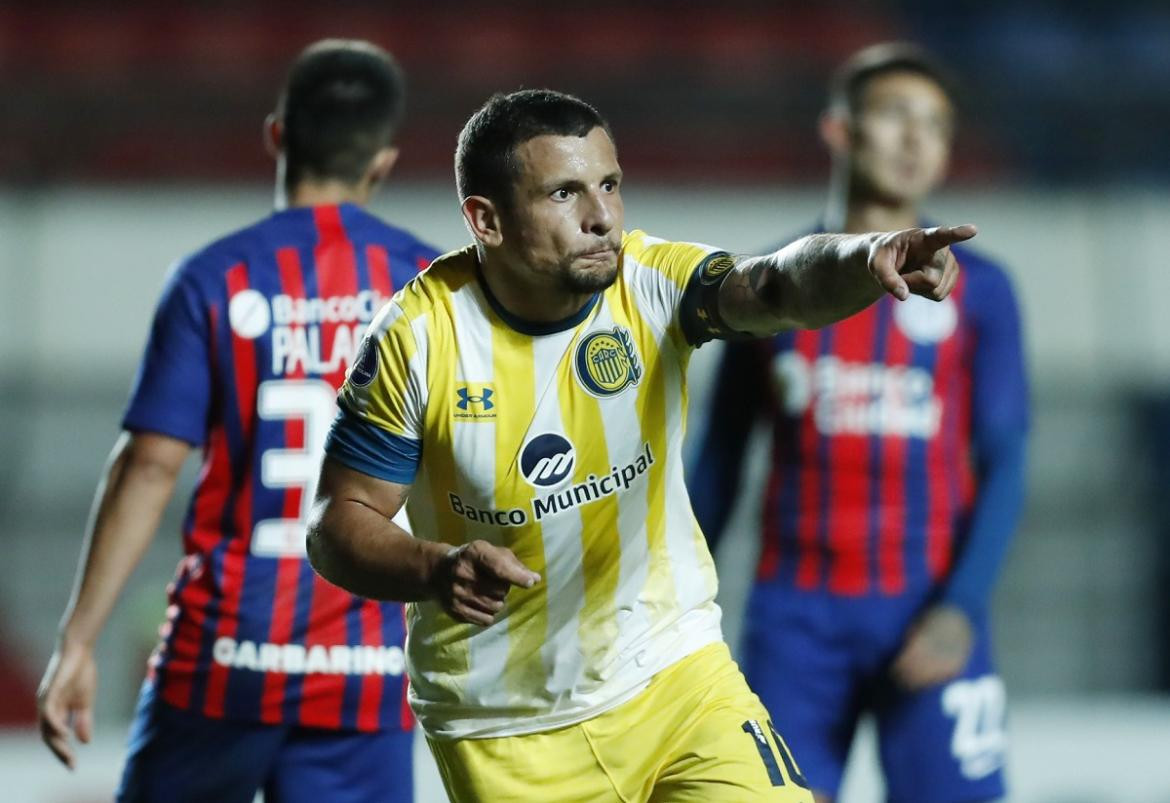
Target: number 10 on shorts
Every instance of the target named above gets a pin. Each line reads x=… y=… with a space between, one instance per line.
x=752 y=728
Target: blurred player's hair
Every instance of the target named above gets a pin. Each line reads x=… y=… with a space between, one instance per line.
x=849 y=81
x=341 y=104
x=485 y=157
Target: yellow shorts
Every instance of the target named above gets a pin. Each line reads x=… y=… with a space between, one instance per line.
x=697 y=733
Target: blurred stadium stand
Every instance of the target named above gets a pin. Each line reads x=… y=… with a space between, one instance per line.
x=131 y=91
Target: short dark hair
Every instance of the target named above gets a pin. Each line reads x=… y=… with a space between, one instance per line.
x=341 y=104
x=485 y=157
x=850 y=80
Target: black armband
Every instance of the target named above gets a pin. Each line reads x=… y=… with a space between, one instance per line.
x=698 y=312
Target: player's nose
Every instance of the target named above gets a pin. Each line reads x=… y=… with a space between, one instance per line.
x=598 y=217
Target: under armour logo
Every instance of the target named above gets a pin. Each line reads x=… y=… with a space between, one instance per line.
x=466 y=398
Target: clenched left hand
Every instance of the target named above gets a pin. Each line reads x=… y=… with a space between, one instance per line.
x=936 y=648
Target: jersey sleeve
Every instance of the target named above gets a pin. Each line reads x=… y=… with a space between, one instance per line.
x=378 y=430
x=663 y=273
x=172 y=389
x=999 y=413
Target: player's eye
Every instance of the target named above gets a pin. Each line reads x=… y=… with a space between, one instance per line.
x=609 y=186
x=561 y=194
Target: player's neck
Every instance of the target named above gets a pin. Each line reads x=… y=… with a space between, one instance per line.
x=528 y=303
x=322 y=193
x=861 y=216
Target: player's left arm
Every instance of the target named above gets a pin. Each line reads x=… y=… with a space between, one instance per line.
x=353 y=543
x=167 y=417
x=938 y=646
x=821 y=279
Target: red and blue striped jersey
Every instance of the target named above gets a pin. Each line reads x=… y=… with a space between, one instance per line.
x=249 y=344
x=879 y=423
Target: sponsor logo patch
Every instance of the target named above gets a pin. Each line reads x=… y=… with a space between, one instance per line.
x=925 y=321
x=365 y=368
x=248 y=314
x=475 y=401
x=547 y=460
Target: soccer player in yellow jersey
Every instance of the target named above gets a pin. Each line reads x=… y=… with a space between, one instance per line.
x=525 y=399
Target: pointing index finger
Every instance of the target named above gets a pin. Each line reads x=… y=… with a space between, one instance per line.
x=941 y=236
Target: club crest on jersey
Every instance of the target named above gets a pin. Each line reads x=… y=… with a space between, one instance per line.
x=475 y=402
x=365 y=367
x=925 y=321
x=715 y=266
x=607 y=362
x=547 y=460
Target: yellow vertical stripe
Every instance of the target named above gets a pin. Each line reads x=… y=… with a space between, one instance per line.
x=513 y=371
x=448 y=637
x=597 y=626
x=659 y=594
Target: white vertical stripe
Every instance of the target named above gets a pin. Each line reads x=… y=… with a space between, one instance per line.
x=475 y=459
x=623 y=439
x=561 y=534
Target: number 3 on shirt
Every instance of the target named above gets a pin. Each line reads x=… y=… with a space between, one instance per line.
x=313 y=402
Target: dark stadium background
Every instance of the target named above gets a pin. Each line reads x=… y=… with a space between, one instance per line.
x=130 y=133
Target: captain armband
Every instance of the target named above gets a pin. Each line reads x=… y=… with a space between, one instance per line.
x=698 y=312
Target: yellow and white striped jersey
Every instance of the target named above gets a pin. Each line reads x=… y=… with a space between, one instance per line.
x=563 y=443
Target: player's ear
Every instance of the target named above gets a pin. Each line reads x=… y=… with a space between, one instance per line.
x=483 y=218
x=382 y=163
x=273 y=135
x=833 y=127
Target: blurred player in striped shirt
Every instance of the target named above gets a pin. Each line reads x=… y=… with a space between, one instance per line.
x=266 y=677
x=896 y=478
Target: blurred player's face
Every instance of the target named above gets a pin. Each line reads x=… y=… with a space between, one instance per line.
x=564 y=226
x=900 y=138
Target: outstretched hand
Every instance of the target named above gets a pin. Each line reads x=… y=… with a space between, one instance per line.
x=918 y=261
x=472 y=581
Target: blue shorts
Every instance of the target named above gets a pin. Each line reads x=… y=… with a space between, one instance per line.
x=178 y=756
x=819 y=661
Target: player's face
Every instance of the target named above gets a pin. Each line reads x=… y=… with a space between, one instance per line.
x=565 y=222
x=901 y=137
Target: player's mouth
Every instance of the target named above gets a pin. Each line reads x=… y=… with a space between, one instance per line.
x=605 y=254
x=907 y=169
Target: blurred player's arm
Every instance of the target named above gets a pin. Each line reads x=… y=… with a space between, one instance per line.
x=821 y=279
x=353 y=543
x=132 y=494
x=167 y=414
x=713 y=476
x=999 y=411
